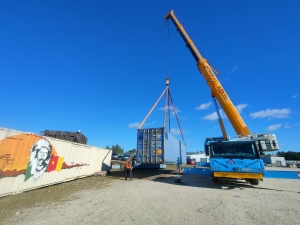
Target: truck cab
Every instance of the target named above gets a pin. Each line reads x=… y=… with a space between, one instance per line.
x=234 y=160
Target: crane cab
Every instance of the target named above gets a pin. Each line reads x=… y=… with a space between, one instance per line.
x=234 y=160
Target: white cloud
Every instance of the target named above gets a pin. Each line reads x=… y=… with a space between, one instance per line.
x=171 y=108
x=234 y=69
x=175 y=131
x=177 y=111
x=212 y=116
x=294 y=96
x=184 y=118
x=272 y=113
x=287 y=126
x=134 y=125
x=203 y=106
x=240 y=107
x=274 y=127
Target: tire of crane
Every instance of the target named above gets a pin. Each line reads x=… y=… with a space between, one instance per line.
x=215 y=180
x=254 y=181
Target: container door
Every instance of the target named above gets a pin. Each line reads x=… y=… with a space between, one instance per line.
x=156 y=146
x=143 y=146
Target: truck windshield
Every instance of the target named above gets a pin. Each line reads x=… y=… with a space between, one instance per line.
x=241 y=150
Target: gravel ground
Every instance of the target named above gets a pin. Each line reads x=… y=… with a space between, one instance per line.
x=153 y=197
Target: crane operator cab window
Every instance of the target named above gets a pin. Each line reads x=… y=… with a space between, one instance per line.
x=219 y=150
x=238 y=149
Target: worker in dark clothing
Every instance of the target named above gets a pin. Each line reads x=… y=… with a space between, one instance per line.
x=195 y=164
x=128 y=168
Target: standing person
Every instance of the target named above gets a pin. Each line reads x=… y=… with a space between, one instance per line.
x=128 y=168
x=195 y=164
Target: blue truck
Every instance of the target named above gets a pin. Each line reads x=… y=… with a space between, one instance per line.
x=234 y=160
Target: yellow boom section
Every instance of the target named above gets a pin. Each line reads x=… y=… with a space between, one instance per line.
x=216 y=88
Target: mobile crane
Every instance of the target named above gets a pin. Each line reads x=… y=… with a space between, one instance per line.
x=237 y=158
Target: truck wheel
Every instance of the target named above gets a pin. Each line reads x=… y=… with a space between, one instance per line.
x=215 y=180
x=254 y=181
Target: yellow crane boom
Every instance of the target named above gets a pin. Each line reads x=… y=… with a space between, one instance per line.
x=267 y=141
x=215 y=86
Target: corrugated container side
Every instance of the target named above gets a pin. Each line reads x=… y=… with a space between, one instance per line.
x=174 y=149
x=183 y=153
x=29 y=161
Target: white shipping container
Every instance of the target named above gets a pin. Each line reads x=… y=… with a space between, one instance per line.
x=198 y=157
x=29 y=161
x=274 y=161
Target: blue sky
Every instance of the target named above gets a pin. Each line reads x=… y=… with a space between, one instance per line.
x=99 y=67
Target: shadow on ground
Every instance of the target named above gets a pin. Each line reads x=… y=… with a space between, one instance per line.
x=169 y=176
x=195 y=180
x=139 y=173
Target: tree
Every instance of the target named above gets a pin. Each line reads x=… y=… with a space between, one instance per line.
x=6 y=158
x=116 y=149
x=131 y=152
x=281 y=154
x=289 y=155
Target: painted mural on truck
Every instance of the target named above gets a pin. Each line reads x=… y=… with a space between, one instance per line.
x=31 y=155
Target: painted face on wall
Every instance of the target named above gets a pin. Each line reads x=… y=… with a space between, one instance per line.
x=40 y=157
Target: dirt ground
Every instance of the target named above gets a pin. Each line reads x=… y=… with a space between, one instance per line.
x=153 y=197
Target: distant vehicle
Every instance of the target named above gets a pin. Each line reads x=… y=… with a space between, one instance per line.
x=114 y=156
x=120 y=157
x=125 y=157
x=191 y=161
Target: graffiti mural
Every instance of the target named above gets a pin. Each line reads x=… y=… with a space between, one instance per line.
x=35 y=156
x=29 y=161
x=40 y=154
x=6 y=159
